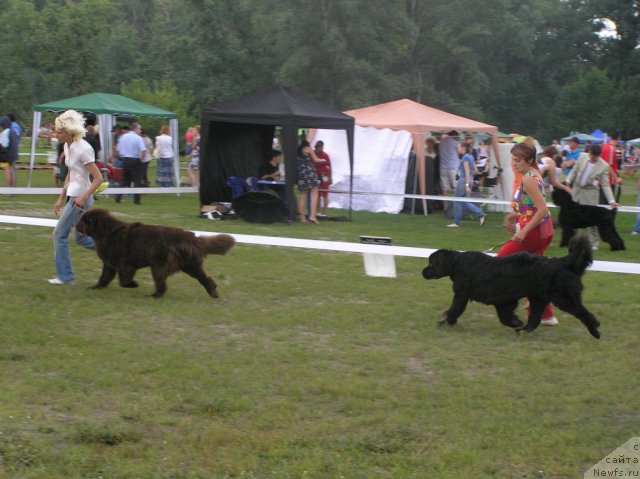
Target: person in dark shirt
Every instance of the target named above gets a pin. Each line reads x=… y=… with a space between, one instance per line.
x=270 y=170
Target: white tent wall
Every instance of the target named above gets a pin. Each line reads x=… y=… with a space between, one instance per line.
x=503 y=189
x=380 y=163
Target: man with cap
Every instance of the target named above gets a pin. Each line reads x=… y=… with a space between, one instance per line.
x=131 y=149
x=573 y=153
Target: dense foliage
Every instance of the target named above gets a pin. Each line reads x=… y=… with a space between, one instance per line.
x=538 y=67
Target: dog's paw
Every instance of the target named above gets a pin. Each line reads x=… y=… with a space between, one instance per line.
x=446 y=321
x=131 y=284
x=516 y=323
x=96 y=286
x=594 y=332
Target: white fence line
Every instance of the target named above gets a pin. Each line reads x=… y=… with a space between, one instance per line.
x=190 y=189
x=341 y=246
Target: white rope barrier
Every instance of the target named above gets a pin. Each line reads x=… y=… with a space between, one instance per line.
x=341 y=246
x=107 y=192
x=189 y=189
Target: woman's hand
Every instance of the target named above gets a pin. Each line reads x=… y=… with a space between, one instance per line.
x=79 y=201
x=509 y=222
x=519 y=236
x=57 y=206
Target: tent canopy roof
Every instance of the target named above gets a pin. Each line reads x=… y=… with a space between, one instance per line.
x=105 y=103
x=278 y=106
x=416 y=118
x=583 y=137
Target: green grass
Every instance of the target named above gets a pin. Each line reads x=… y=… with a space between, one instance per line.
x=305 y=367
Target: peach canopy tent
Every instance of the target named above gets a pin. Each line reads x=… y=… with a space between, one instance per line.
x=420 y=120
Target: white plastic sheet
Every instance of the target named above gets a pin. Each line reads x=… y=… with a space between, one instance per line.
x=380 y=163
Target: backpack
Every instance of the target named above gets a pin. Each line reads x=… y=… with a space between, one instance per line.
x=4 y=154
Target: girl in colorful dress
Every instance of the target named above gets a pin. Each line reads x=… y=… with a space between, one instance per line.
x=194 y=159
x=530 y=222
x=308 y=182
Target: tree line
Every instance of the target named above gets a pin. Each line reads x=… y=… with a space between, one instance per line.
x=537 y=67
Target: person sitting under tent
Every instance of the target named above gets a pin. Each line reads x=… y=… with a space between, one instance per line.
x=270 y=170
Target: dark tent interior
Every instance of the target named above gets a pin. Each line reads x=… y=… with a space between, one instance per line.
x=236 y=137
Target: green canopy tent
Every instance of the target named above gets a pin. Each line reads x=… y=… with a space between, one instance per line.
x=583 y=138
x=105 y=106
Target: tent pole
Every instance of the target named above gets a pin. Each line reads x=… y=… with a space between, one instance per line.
x=173 y=125
x=415 y=186
x=350 y=142
x=105 y=137
x=289 y=150
x=418 y=145
x=496 y=150
x=37 y=117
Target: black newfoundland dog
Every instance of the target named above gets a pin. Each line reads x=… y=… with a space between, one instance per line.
x=573 y=216
x=126 y=247
x=503 y=281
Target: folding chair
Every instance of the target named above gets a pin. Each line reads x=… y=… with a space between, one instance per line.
x=237 y=185
x=252 y=183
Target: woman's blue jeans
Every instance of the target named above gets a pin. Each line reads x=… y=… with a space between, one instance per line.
x=62 y=256
x=459 y=206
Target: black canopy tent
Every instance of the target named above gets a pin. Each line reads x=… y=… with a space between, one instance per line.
x=236 y=137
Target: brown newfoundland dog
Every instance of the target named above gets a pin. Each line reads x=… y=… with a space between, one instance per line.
x=127 y=247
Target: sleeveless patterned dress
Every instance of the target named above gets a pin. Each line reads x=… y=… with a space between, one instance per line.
x=524 y=207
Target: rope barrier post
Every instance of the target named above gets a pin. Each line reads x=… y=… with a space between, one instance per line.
x=375 y=264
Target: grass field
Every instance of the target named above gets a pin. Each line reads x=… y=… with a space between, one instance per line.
x=305 y=367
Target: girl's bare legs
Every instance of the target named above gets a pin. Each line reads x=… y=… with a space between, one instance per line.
x=313 y=207
x=302 y=206
x=194 y=179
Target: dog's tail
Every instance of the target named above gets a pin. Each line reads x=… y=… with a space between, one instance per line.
x=580 y=255
x=218 y=244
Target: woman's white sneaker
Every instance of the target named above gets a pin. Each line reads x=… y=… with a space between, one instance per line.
x=57 y=282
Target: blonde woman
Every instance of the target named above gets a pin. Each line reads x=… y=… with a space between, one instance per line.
x=77 y=193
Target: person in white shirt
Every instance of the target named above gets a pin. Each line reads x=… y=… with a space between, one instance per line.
x=76 y=197
x=164 y=153
x=131 y=150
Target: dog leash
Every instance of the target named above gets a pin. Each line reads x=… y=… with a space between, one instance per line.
x=84 y=212
x=496 y=246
